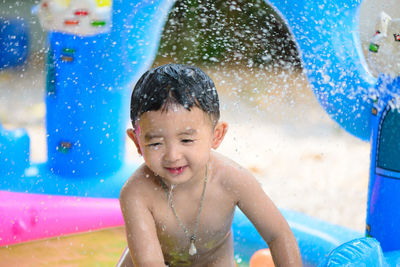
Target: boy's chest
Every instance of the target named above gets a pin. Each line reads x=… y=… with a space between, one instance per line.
x=214 y=222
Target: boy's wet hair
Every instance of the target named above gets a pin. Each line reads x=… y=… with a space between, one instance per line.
x=174 y=84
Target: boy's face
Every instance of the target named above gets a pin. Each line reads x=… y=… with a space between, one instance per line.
x=176 y=143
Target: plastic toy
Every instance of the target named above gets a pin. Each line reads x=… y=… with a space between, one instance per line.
x=262 y=258
x=89 y=74
x=384 y=47
x=80 y=17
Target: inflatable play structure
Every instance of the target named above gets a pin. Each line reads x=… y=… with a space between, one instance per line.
x=14 y=42
x=96 y=51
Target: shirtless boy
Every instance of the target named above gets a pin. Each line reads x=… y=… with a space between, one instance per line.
x=179 y=205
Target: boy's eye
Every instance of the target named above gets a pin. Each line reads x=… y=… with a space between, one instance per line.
x=187 y=141
x=154 y=144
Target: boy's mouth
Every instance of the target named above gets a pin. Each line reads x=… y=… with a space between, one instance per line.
x=177 y=170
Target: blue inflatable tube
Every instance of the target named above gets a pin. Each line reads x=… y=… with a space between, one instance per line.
x=364 y=251
x=316 y=238
x=321 y=244
x=326 y=33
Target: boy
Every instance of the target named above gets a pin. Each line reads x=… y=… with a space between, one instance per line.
x=178 y=206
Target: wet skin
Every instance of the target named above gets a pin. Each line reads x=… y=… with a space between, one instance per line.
x=177 y=148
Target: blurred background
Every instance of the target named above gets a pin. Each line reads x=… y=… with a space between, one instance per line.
x=245 y=39
x=304 y=161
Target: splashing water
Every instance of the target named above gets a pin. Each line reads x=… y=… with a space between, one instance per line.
x=171 y=188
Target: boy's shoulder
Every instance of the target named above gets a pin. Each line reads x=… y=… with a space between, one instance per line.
x=228 y=172
x=235 y=181
x=226 y=164
x=139 y=184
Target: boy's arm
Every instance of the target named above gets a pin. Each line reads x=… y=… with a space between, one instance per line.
x=267 y=219
x=143 y=243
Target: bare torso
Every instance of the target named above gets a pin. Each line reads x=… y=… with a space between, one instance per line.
x=214 y=239
x=155 y=236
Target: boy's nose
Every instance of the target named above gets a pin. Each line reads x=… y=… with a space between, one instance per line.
x=172 y=154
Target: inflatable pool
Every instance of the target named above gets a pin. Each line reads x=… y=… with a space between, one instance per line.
x=97 y=49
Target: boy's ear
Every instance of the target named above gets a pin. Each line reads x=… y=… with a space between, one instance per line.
x=219 y=133
x=134 y=138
